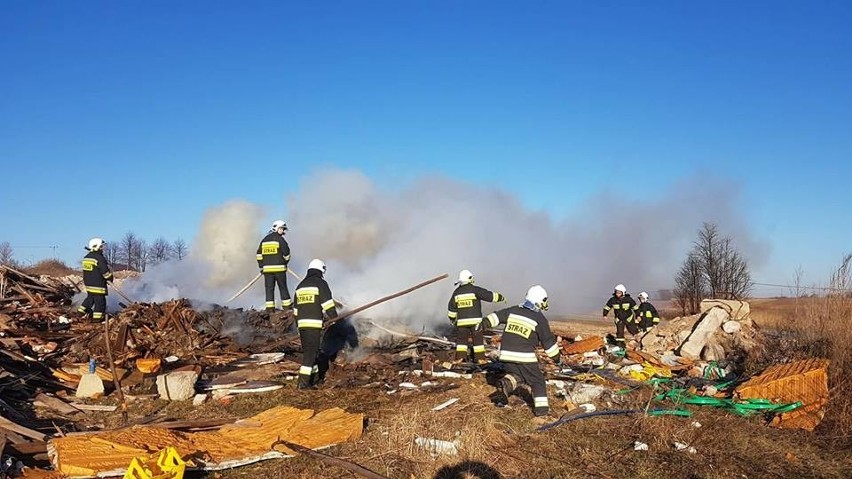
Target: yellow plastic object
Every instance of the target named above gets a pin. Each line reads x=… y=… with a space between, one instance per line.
x=168 y=465
x=649 y=371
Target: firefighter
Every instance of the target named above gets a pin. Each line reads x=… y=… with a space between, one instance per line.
x=647 y=313
x=526 y=328
x=625 y=313
x=465 y=312
x=96 y=275
x=338 y=336
x=273 y=255
x=313 y=302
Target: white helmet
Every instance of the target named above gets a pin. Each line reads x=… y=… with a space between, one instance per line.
x=465 y=277
x=96 y=244
x=317 y=264
x=643 y=296
x=538 y=297
x=621 y=287
x=278 y=224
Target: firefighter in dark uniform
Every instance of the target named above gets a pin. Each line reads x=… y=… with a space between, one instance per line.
x=313 y=302
x=338 y=336
x=647 y=313
x=465 y=312
x=526 y=328
x=624 y=309
x=96 y=275
x=273 y=255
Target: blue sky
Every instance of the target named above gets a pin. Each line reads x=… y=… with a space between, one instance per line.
x=120 y=116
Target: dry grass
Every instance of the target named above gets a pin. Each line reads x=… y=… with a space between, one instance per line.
x=51 y=267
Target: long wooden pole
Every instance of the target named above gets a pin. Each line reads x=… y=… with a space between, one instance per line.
x=341 y=316
x=334 y=461
x=121 y=293
x=115 y=378
x=245 y=287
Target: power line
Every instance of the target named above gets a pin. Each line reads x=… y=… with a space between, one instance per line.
x=792 y=286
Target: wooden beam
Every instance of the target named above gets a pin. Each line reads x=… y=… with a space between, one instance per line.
x=334 y=461
x=26 y=432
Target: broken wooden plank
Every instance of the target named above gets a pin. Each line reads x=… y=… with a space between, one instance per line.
x=93 y=407
x=29 y=448
x=56 y=404
x=24 y=431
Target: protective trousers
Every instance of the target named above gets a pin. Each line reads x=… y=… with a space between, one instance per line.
x=270 y=279
x=620 y=325
x=95 y=304
x=469 y=342
x=518 y=374
x=309 y=372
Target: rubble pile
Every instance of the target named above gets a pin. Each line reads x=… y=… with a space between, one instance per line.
x=723 y=328
x=25 y=298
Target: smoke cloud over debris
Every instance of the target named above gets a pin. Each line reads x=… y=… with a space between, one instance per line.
x=377 y=241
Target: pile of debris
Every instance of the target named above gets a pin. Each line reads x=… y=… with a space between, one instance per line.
x=25 y=298
x=721 y=329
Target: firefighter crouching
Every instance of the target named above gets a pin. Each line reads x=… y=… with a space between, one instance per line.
x=273 y=255
x=96 y=275
x=313 y=301
x=526 y=328
x=647 y=313
x=465 y=312
x=624 y=309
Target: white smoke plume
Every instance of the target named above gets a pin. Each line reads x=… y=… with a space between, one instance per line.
x=377 y=241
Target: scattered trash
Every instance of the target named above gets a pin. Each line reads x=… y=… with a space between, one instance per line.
x=585 y=393
x=695 y=424
x=640 y=446
x=446 y=404
x=437 y=446
x=588 y=407
x=679 y=446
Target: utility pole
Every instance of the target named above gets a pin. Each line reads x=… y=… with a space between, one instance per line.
x=53 y=247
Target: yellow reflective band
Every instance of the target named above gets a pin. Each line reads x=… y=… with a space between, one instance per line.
x=309 y=323
x=479 y=348
x=270 y=304
x=468 y=322
x=269 y=248
x=97 y=315
x=108 y=275
x=493 y=320
x=517 y=357
x=552 y=351
x=461 y=347
x=607 y=307
x=286 y=303
x=95 y=290
x=656 y=320
x=328 y=305
x=81 y=309
x=275 y=268
x=307 y=295
x=260 y=257
x=465 y=300
x=306 y=370
x=89 y=264
x=452 y=314
x=287 y=258
x=540 y=402
x=496 y=297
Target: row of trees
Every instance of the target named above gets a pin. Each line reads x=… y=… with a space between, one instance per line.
x=712 y=269
x=133 y=252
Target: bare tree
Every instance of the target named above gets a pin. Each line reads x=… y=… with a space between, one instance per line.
x=690 y=285
x=140 y=255
x=111 y=253
x=128 y=249
x=725 y=269
x=7 y=255
x=841 y=278
x=797 y=285
x=160 y=251
x=179 y=249
x=713 y=268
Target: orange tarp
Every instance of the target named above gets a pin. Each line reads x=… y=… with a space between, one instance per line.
x=805 y=381
x=244 y=442
x=583 y=346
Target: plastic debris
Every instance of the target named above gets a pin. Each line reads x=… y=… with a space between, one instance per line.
x=437 y=446
x=445 y=404
x=640 y=446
